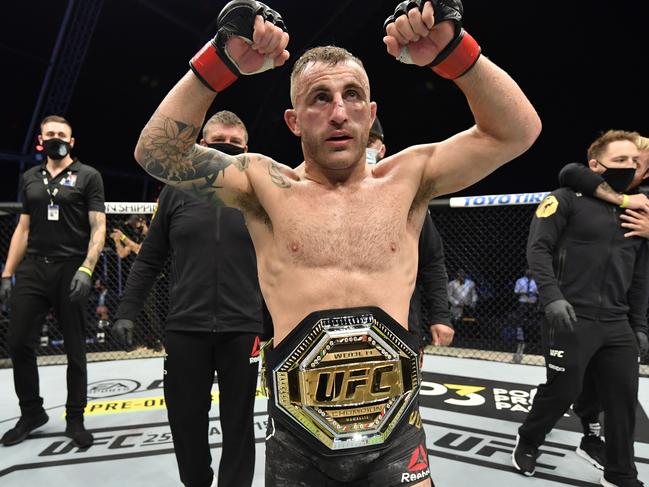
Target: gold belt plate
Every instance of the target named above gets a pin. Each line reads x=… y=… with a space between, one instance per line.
x=349 y=382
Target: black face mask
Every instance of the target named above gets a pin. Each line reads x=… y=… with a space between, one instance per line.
x=229 y=149
x=56 y=149
x=618 y=178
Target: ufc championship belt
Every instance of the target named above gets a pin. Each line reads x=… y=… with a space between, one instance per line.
x=343 y=379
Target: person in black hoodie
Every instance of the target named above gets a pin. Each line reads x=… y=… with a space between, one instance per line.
x=214 y=322
x=594 y=287
x=635 y=220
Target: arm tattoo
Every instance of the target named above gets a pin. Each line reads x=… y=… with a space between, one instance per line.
x=242 y=162
x=606 y=188
x=166 y=144
x=276 y=175
x=97 y=237
x=168 y=152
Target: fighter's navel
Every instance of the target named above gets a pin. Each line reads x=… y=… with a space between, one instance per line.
x=393 y=246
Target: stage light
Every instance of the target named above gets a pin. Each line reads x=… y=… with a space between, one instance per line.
x=38 y=152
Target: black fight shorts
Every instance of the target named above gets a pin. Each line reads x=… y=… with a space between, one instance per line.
x=290 y=462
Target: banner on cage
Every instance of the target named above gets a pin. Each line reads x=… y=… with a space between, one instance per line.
x=143 y=208
x=497 y=200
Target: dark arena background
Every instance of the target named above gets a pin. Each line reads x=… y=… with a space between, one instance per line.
x=105 y=65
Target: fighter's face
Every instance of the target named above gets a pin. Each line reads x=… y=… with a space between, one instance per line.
x=333 y=114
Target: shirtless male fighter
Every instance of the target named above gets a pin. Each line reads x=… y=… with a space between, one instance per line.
x=337 y=245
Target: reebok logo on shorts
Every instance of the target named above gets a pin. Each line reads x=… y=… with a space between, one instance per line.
x=254 y=353
x=417 y=467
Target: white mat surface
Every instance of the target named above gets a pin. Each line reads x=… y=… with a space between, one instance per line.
x=471 y=410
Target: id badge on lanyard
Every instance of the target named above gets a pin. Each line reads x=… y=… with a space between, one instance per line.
x=53 y=213
x=52 y=208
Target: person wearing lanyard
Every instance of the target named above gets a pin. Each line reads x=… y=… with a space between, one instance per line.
x=53 y=252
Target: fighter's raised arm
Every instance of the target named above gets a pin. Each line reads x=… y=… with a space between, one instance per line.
x=431 y=34
x=250 y=38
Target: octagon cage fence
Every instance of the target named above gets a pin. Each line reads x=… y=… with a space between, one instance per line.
x=484 y=236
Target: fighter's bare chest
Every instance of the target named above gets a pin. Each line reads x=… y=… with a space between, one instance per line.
x=354 y=231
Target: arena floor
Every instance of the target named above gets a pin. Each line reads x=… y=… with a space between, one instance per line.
x=470 y=408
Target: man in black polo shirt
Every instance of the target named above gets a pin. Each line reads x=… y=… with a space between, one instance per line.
x=213 y=324
x=53 y=250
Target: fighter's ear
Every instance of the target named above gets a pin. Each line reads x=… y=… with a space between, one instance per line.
x=290 y=117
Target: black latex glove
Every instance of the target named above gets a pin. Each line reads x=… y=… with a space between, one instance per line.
x=560 y=315
x=122 y=333
x=643 y=343
x=80 y=286
x=5 y=289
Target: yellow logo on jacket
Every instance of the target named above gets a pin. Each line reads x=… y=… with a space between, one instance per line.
x=547 y=207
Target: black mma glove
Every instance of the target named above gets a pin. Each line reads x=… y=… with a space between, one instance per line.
x=81 y=284
x=212 y=64
x=643 y=343
x=560 y=315
x=122 y=333
x=5 y=289
x=460 y=54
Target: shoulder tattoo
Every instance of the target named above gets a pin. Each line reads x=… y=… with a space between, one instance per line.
x=276 y=175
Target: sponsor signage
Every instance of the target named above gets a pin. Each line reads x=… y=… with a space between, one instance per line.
x=508 y=401
x=145 y=208
x=497 y=200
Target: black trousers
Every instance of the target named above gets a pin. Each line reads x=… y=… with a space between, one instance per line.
x=588 y=406
x=192 y=358
x=610 y=349
x=39 y=286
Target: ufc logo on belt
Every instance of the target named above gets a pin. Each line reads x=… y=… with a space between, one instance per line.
x=556 y=353
x=351 y=384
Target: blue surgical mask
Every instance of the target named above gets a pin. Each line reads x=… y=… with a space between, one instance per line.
x=371 y=155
